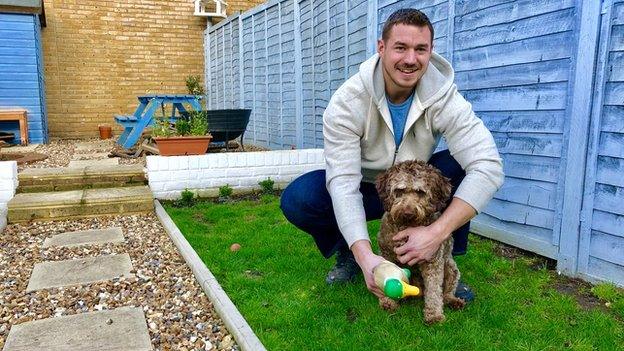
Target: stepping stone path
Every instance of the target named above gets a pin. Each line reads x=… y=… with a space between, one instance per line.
x=123 y=328
x=91 y=154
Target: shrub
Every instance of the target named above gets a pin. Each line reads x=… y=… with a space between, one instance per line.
x=225 y=191
x=194 y=86
x=162 y=128
x=183 y=127
x=187 y=199
x=198 y=123
x=267 y=186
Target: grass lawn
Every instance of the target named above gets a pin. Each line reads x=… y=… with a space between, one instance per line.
x=277 y=277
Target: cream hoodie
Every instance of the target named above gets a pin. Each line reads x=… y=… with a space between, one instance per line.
x=359 y=140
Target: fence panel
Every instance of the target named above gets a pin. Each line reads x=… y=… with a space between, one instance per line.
x=521 y=63
x=602 y=236
x=522 y=98
x=317 y=51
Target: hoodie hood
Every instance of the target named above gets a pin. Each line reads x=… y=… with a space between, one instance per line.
x=433 y=85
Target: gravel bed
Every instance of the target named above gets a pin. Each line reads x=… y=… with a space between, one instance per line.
x=61 y=151
x=178 y=313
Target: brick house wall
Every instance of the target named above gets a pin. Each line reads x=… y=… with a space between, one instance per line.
x=100 y=55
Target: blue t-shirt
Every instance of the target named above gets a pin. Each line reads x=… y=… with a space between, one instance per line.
x=398 y=113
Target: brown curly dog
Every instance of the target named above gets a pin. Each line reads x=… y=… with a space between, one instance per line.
x=414 y=194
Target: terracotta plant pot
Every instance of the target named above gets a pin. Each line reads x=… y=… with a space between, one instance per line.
x=106 y=131
x=180 y=146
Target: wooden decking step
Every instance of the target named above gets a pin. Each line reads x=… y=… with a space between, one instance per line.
x=99 y=176
x=79 y=203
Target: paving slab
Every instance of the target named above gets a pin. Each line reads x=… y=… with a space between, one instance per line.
x=91 y=156
x=130 y=194
x=81 y=271
x=46 y=199
x=80 y=203
x=87 y=163
x=85 y=237
x=120 y=329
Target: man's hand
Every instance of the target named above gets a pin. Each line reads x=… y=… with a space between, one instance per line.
x=367 y=260
x=421 y=245
x=423 y=242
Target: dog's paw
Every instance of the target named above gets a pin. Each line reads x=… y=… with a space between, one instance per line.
x=434 y=318
x=455 y=303
x=388 y=304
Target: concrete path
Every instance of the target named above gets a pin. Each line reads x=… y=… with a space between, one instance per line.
x=122 y=329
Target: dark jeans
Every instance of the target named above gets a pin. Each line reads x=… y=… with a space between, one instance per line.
x=306 y=204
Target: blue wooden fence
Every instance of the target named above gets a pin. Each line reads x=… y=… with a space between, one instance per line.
x=21 y=73
x=546 y=76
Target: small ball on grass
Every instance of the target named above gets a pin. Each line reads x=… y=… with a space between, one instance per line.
x=235 y=247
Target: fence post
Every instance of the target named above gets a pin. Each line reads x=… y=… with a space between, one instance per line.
x=298 y=76
x=371 y=30
x=594 y=137
x=241 y=74
x=450 y=33
x=578 y=126
x=207 y=66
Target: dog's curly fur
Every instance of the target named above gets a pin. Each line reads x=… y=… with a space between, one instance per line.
x=414 y=194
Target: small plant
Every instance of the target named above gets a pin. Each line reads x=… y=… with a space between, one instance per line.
x=162 y=128
x=267 y=186
x=194 y=86
x=225 y=191
x=187 y=199
x=183 y=127
x=198 y=123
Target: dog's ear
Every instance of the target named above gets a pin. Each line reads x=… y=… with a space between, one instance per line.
x=442 y=190
x=381 y=183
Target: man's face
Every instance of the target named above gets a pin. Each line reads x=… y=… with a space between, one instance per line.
x=405 y=57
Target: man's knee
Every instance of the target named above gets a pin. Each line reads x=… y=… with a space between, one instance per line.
x=305 y=196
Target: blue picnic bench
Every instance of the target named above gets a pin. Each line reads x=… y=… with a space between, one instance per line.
x=143 y=117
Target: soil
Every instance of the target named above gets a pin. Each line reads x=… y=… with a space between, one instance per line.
x=579 y=289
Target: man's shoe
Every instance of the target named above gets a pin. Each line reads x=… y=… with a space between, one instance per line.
x=345 y=270
x=464 y=292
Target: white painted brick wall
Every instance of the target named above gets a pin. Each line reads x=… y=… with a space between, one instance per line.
x=8 y=184
x=204 y=174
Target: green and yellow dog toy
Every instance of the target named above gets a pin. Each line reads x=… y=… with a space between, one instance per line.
x=394 y=281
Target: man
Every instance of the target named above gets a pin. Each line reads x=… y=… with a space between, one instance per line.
x=395 y=108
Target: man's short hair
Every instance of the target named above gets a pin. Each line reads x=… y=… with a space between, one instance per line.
x=411 y=17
